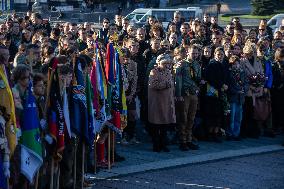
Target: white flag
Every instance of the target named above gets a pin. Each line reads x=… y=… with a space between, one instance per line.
x=30 y=163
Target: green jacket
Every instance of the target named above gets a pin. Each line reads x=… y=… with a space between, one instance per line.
x=188 y=76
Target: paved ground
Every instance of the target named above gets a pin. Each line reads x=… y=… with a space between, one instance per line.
x=140 y=158
x=263 y=171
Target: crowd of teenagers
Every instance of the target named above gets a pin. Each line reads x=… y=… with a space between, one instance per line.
x=67 y=91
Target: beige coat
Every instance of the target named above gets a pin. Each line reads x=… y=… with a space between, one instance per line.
x=161 y=106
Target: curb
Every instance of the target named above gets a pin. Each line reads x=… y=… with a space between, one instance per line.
x=122 y=171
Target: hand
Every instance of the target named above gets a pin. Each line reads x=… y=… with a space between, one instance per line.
x=180 y=99
x=48 y=139
x=202 y=82
x=265 y=90
x=225 y=87
x=6 y=167
x=43 y=124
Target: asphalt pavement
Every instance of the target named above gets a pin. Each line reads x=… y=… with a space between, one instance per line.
x=262 y=171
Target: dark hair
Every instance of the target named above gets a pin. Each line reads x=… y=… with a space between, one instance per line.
x=18 y=72
x=37 y=77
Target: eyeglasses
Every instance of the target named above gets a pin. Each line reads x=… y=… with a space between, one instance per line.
x=261 y=29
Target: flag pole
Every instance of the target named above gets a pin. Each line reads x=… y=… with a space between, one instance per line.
x=52 y=173
x=36 y=181
x=83 y=164
x=108 y=149
x=58 y=176
x=75 y=163
x=113 y=142
x=95 y=154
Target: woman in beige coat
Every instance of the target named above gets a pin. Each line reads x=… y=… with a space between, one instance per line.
x=161 y=109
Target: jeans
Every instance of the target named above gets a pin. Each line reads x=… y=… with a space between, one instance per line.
x=236 y=119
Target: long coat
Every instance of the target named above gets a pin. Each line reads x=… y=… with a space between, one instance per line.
x=161 y=106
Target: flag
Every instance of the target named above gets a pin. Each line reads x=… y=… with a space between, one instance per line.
x=3 y=179
x=99 y=83
x=55 y=112
x=66 y=111
x=91 y=112
x=78 y=106
x=31 y=149
x=7 y=101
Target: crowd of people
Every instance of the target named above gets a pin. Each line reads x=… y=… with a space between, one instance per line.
x=63 y=87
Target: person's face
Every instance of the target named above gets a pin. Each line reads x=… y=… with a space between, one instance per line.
x=156 y=33
x=166 y=46
x=105 y=24
x=36 y=53
x=83 y=35
x=25 y=79
x=125 y=23
x=7 y=43
x=278 y=36
x=140 y=34
x=5 y=55
x=124 y=59
x=33 y=19
x=173 y=38
x=66 y=28
x=216 y=39
x=207 y=52
x=228 y=53
x=155 y=45
x=151 y=21
x=39 y=88
x=261 y=31
x=73 y=29
x=192 y=54
x=236 y=20
x=131 y=31
x=205 y=18
x=260 y=52
x=90 y=42
x=230 y=29
x=173 y=28
x=201 y=31
x=3 y=28
x=194 y=25
x=219 y=56
x=133 y=47
x=87 y=26
x=213 y=20
x=118 y=20
x=184 y=29
x=252 y=34
x=176 y=17
x=237 y=50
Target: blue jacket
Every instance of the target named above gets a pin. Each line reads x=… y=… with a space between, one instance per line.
x=267 y=65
